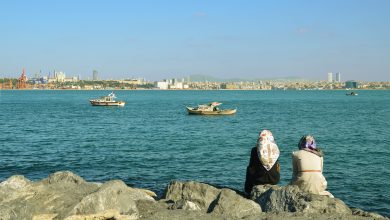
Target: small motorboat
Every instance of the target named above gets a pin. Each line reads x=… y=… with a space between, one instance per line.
x=352 y=93
x=210 y=109
x=107 y=101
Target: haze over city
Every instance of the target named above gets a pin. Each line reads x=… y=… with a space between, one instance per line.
x=225 y=39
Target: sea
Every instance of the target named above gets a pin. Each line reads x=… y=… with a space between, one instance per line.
x=152 y=140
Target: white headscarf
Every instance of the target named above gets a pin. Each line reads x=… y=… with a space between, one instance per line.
x=267 y=149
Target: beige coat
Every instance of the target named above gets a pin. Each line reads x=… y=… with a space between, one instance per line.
x=307 y=172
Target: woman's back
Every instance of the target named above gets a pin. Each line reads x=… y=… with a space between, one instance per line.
x=307 y=166
x=263 y=166
x=307 y=161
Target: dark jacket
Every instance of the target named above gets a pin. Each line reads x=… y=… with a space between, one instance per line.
x=256 y=174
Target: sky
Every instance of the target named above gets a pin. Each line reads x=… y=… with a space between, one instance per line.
x=156 y=39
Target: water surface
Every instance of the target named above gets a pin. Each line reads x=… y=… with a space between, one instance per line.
x=152 y=140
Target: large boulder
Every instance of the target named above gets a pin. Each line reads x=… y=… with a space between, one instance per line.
x=289 y=198
x=23 y=199
x=112 y=195
x=63 y=194
x=12 y=188
x=229 y=203
x=225 y=202
x=199 y=193
x=63 y=178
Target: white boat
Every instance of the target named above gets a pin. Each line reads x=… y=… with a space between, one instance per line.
x=107 y=101
x=210 y=109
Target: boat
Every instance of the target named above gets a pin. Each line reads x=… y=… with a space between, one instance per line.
x=352 y=93
x=210 y=109
x=108 y=100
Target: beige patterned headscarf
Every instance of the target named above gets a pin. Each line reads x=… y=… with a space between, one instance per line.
x=267 y=149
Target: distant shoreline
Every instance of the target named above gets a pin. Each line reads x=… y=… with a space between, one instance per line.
x=194 y=89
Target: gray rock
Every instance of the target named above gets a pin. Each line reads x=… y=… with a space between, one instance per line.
x=258 y=190
x=290 y=199
x=63 y=194
x=232 y=205
x=359 y=212
x=55 y=195
x=15 y=182
x=223 y=202
x=106 y=215
x=112 y=195
x=63 y=177
x=199 y=193
x=185 y=204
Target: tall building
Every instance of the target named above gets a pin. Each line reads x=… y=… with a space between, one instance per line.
x=59 y=76
x=351 y=84
x=95 y=75
x=330 y=77
x=338 y=77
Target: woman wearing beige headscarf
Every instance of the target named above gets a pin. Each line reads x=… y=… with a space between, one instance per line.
x=308 y=166
x=263 y=166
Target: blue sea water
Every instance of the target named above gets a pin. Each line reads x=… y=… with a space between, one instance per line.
x=152 y=140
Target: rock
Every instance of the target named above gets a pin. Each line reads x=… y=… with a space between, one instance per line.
x=112 y=195
x=359 y=212
x=258 y=190
x=11 y=187
x=56 y=194
x=105 y=215
x=64 y=177
x=148 y=192
x=44 y=217
x=232 y=205
x=194 y=196
x=15 y=182
x=64 y=194
x=181 y=214
x=186 y=205
x=199 y=193
x=290 y=199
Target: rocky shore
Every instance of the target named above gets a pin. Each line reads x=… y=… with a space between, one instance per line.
x=64 y=195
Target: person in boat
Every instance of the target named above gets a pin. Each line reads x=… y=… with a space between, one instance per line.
x=307 y=166
x=264 y=167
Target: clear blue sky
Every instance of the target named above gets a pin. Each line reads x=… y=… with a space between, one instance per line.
x=159 y=39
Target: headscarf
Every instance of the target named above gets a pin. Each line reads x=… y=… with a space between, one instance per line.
x=308 y=143
x=267 y=149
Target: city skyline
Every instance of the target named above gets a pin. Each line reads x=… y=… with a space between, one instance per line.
x=197 y=77
x=173 y=39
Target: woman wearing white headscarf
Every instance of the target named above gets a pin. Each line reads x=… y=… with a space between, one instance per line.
x=308 y=166
x=263 y=166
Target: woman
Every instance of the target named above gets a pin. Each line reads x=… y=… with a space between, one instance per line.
x=263 y=166
x=307 y=166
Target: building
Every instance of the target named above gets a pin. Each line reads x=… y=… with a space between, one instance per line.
x=60 y=77
x=162 y=85
x=132 y=81
x=351 y=84
x=177 y=85
x=330 y=77
x=338 y=77
x=95 y=75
